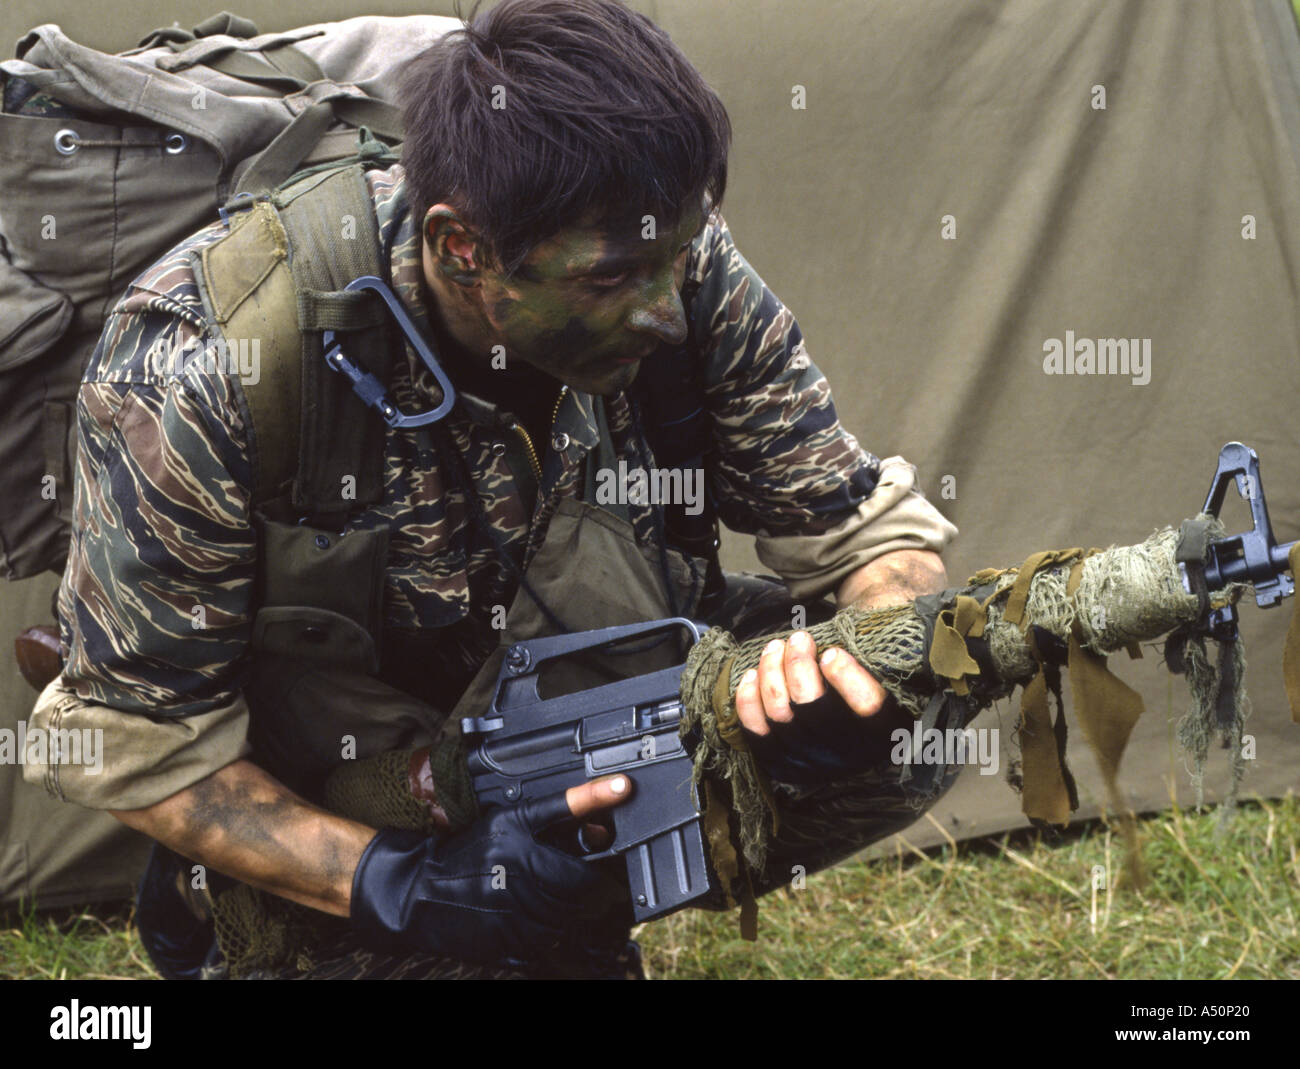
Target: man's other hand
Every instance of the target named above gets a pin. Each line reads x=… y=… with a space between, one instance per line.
x=804 y=732
x=791 y=672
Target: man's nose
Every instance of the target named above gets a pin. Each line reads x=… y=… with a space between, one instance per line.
x=662 y=315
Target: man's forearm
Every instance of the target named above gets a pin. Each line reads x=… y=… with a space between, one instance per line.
x=893 y=579
x=246 y=824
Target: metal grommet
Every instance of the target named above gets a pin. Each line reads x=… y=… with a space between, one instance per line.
x=560 y=442
x=498 y=449
x=175 y=143
x=314 y=634
x=322 y=541
x=66 y=142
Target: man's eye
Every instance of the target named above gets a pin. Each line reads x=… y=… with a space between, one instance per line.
x=609 y=281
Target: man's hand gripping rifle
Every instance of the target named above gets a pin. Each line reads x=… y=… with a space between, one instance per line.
x=529 y=747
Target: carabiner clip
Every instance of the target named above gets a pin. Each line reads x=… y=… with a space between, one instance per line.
x=369 y=388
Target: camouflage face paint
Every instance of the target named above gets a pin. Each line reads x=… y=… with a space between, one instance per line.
x=589 y=304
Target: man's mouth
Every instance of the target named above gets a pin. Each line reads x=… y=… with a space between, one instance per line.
x=639 y=356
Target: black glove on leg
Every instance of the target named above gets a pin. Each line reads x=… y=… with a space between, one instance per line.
x=492 y=894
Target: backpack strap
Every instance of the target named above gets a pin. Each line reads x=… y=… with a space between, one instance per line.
x=224 y=23
x=277 y=64
x=276 y=280
x=319 y=107
x=248 y=292
x=329 y=220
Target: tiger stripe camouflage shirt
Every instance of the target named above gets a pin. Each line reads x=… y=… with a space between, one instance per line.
x=163 y=534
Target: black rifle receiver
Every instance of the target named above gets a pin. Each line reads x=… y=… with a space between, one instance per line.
x=530 y=747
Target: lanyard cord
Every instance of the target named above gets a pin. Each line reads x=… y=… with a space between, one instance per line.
x=657 y=511
x=454 y=464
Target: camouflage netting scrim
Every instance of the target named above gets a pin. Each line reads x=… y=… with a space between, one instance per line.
x=377 y=792
x=978 y=644
x=262 y=935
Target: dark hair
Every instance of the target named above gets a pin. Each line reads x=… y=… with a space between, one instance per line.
x=601 y=112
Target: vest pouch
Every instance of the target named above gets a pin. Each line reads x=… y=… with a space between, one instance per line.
x=322 y=595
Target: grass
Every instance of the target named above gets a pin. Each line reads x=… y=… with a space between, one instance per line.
x=97 y=943
x=1216 y=905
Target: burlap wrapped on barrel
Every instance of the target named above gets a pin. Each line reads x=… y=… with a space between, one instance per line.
x=1007 y=628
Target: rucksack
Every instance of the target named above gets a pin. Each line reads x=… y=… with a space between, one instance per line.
x=106 y=162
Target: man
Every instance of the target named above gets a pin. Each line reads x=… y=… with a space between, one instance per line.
x=554 y=231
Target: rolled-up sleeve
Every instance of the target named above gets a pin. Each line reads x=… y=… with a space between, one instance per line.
x=126 y=760
x=896 y=516
x=785 y=469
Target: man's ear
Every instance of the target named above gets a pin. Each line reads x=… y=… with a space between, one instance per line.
x=455 y=246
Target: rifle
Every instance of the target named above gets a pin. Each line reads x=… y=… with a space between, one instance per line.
x=530 y=747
